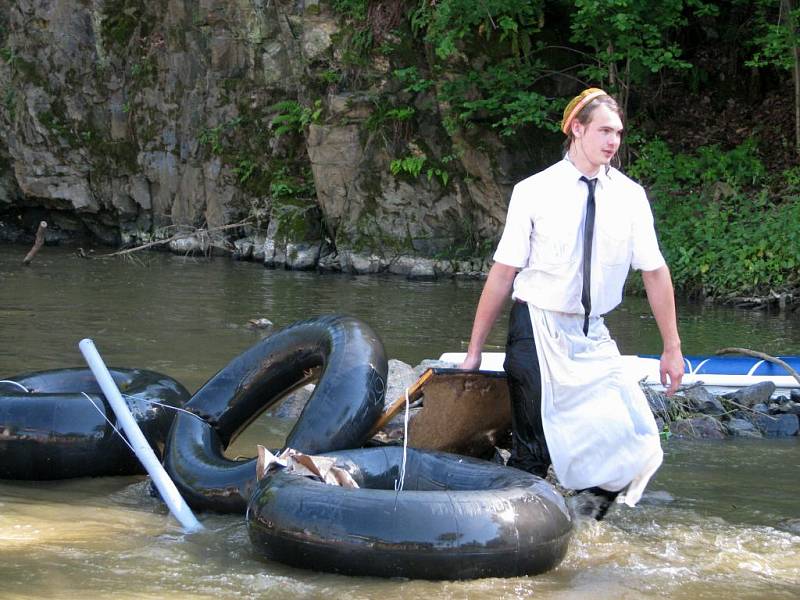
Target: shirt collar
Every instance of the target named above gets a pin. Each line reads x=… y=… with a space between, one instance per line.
x=603 y=176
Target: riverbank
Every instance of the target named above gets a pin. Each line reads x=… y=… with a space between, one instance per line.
x=320 y=257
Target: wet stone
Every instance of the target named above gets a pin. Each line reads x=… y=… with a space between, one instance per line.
x=757 y=393
x=422 y=271
x=792 y=408
x=704 y=427
x=742 y=428
x=790 y=525
x=703 y=401
x=778 y=426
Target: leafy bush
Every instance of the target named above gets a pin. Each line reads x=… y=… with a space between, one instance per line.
x=721 y=231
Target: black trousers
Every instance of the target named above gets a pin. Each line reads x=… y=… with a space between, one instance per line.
x=529 y=447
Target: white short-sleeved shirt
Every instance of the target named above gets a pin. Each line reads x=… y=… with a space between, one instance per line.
x=543 y=236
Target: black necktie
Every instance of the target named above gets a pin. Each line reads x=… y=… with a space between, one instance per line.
x=588 y=233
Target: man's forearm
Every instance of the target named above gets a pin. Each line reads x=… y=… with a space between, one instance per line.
x=661 y=296
x=495 y=292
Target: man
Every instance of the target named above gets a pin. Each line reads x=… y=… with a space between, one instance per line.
x=572 y=233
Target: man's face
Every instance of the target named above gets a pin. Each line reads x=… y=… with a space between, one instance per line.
x=599 y=139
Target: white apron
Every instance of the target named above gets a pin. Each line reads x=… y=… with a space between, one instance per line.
x=599 y=428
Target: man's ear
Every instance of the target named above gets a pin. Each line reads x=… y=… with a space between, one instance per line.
x=577 y=128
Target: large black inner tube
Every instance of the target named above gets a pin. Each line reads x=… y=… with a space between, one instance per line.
x=346 y=402
x=50 y=430
x=456 y=518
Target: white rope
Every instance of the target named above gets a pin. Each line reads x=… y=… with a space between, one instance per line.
x=398 y=484
x=119 y=433
x=183 y=410
x=103 y=414
x=26 y=390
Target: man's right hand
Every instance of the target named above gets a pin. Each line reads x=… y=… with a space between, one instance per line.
x=471 y=363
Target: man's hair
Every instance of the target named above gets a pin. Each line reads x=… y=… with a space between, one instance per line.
x=584 y=116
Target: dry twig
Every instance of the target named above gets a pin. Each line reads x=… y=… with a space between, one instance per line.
x=172 y=238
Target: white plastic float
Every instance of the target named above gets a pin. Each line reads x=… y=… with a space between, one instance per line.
x=718 y=374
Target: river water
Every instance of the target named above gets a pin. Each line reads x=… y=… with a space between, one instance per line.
x=716 y=521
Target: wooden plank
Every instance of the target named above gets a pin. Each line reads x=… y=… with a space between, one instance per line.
x=414 y=392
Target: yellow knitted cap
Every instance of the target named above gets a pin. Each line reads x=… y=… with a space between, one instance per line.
x=576 y=105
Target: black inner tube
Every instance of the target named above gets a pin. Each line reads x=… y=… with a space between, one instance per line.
x=346 y=402
x=456 y=518
x=50 y=430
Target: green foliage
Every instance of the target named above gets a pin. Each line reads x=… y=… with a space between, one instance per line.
x=447 y=24
x=282 y=188
x=439 y=173
x=10 y=102
x=144 y=69
x=120 y=20
x=244 y=169
x=791 y=178
x=721 y=230
x=352 y=9
x=666 y=172
x=285 y=184
x=401 y=114
x=776 y=35
x=296 y=221
x=631 y=40
x=55 y=122
x=293 y=203
x=415 y=165
x=408 y=165
x=501 y=95
x=293 y=117
x=212 y=137
x=394 y=123
x=9 y=55
x=499 y=40
x=355 y=41
x=330 y=77
x=412 y=80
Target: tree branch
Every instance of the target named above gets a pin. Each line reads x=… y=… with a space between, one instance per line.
x=172 y=238
x=762 y=356
x=36 y=244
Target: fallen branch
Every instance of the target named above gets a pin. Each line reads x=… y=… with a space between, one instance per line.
x=762 y=356
x=725 y=400
x=38 y=243
x=177 y=236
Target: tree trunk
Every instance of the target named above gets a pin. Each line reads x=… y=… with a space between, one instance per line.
x=787 y=6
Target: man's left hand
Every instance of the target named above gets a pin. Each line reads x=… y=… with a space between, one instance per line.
x=671 y=369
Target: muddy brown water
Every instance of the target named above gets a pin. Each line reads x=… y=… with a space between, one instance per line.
x=719 y=520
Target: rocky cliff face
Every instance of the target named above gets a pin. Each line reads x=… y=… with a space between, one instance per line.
x=130 y=120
